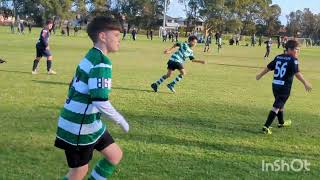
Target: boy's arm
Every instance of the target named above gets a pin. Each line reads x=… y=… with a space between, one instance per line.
x=99 y=87
x=106 y=108
x=306 y=84
x=199 y=61
x=262 y=73
x=169 y=50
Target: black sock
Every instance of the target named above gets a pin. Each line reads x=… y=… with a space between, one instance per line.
x=280 y=117
x=49 y=63
x=35 y=64
x=271 y=117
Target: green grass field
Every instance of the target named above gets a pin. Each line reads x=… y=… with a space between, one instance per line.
x=209 y=129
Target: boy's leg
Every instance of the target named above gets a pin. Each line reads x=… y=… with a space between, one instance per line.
x=105 y=167
x=272 y=115
x=77 y=173
x=280 y=116
x=155 y=85
x=35 y=65
x=179 y=77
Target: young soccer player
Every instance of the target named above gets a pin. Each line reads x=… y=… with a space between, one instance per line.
x=176 y=61
x=285 y=66
x=268 y=48
x=80 y=130
x=207 y=43
x=43 y=49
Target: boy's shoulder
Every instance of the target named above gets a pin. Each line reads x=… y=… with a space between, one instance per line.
x=95 y=56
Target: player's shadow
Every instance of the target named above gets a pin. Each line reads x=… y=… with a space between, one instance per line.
x=50 y=82
x=234 y=65
x=9 y=71
x=136 y=89
x=118 y=88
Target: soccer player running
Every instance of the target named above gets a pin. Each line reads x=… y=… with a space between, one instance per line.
x=43 y=49
x=285 y=66
x=80 y=129
x=176 y=61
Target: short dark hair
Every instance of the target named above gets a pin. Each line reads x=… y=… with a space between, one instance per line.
x=192 y=38
x=49 y=21
x=100 y=24
x=291 y=44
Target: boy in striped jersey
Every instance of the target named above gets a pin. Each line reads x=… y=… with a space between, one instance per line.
x=176 y=61
x=80 y=129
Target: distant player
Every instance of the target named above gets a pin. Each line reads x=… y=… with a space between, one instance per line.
x=268 y=48
x=285 y=66
x=207 y=43
x=219 y=43
x=80 y=129
x=176 y=61
x=43 y=49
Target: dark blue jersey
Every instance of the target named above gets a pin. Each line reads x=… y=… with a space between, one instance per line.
x=284 y=67
x=43 y=41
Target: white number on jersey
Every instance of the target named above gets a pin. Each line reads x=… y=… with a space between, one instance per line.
x=280 y=70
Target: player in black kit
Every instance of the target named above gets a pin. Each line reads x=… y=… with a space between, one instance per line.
x=285 y=66
x=43 y=49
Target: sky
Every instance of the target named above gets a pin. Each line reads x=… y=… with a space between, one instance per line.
x=287 y=6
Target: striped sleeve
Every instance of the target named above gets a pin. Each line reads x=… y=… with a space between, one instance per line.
x=100 y=82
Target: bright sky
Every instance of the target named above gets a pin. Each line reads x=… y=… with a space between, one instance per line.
x=177 y=10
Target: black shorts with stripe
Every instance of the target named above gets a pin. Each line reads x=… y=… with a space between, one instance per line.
x=280 y=98
x=78 y=156
x=173 y=65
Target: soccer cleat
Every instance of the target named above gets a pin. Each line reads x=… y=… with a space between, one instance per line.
x=267 y=130
x=52 y=72
x=286 y=124
x=154 y=86
x=34 y=72
x=170 y=86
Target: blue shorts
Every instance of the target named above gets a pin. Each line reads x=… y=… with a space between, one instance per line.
x=43 y=52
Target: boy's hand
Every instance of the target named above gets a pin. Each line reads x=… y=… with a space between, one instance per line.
x=125 y=126
x=258 y=77
x=166 y=51
x=308 y=87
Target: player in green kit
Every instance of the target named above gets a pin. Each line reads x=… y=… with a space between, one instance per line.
x=80 y=129
x=177 y=61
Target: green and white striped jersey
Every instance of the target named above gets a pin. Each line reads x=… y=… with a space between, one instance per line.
x=79 y=122
x=182 y=54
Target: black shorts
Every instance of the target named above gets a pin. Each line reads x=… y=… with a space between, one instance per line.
x=43 y=52
x=172 y=65
x=81 y=155
x=280 y=99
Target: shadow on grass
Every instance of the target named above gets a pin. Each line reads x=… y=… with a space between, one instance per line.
x=10 y=71
x=118 y=88
x=234 y=65
x=51 y=82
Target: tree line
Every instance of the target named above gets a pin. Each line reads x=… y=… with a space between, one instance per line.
x=245 y=17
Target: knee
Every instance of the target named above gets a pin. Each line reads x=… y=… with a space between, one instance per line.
x=116 y=158
x=78 y=173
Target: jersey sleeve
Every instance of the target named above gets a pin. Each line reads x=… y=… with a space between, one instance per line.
x=296 y=66
x=44 y=37
x=100 y=82
x=272 y=65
